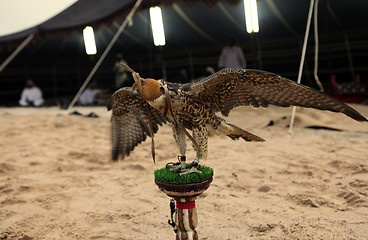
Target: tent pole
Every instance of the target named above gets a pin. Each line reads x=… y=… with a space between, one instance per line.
x=316 y=47
x=302 y=62
x=15 y=53
x=108 y=48
x=350 y=58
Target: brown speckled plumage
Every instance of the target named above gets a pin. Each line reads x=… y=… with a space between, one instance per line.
x=230 y=88
x=130 y=121
x=194 y=106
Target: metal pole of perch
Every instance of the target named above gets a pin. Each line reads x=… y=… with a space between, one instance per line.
x=186 y=218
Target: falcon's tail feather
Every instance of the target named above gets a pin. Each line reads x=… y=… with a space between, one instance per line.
x=235 y=132
x=247 y=136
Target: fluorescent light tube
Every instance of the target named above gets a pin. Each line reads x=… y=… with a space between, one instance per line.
x=89 y=40
x=157 y=26
x=254 y=14
x=251 y=16
x=248 y=18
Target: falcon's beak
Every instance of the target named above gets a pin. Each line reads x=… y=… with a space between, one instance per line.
x=135 y=94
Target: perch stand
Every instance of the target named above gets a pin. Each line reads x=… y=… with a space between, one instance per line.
x=185 y=212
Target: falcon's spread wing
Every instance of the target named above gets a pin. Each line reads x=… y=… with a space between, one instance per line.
x=230 y=88
x=130 y=121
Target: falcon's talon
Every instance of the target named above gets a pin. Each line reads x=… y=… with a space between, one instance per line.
x=171 y=164
x=191 y=170
x=195 y=163
x=179 y=167
x=183 y=168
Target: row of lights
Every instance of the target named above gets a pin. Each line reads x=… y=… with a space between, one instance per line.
x=251 y=20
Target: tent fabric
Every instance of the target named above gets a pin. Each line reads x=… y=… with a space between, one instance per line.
x=278 y=18
x=81 y=13
x=195 y=32
x=93 y=12
x=190 y=4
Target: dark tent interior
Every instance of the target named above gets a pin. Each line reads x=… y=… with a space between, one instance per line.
x=196 y=32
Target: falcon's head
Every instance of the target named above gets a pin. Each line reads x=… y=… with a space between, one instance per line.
x=151 y=89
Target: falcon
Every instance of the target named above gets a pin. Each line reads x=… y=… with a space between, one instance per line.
x=138 y=111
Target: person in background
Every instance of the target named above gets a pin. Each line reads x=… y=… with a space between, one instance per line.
x=31 y=95
x=88 y=97
x=232 y=56
x=121 y=74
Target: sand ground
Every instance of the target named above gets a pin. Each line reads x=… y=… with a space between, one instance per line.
x=57 y=181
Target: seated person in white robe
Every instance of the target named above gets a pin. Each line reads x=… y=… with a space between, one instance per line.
x=31 y=95
x=89 y=95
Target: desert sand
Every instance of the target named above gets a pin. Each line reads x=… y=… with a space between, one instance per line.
x=57 y=180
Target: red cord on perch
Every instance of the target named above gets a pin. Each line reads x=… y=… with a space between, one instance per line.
x=185 y=205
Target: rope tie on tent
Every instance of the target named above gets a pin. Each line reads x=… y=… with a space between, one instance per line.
x=104 y=54
x=316 y=46
x=168 y=109
x=302 y=61
x=17 y=50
